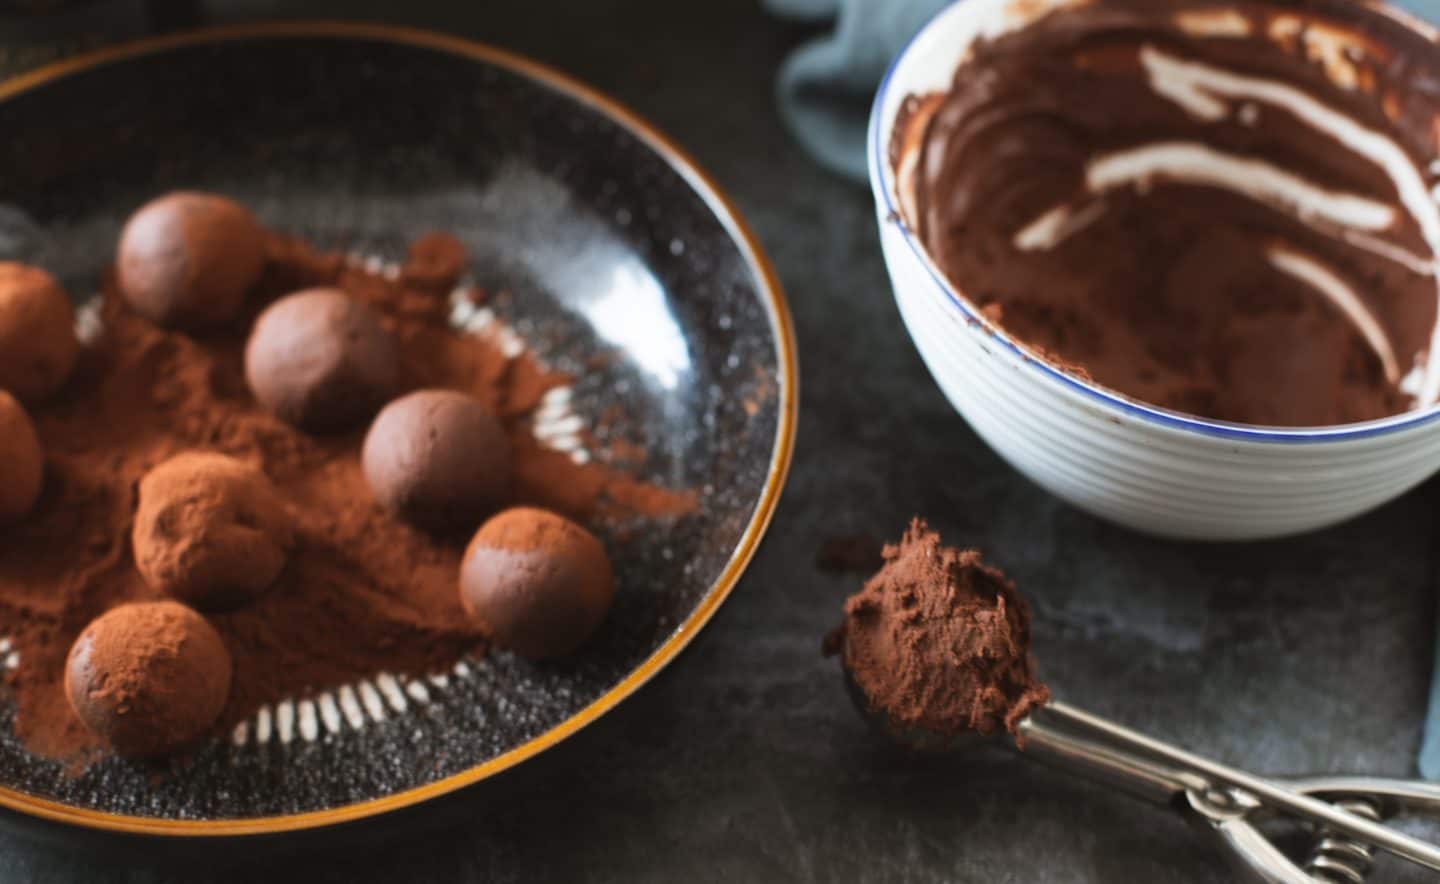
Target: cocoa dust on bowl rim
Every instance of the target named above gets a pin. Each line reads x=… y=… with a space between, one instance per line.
x=623 y=266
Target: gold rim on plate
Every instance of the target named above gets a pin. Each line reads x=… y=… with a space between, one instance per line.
x=765 y=509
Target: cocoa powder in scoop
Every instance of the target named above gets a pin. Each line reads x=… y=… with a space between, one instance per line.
x=363 y=592
x=940 y=642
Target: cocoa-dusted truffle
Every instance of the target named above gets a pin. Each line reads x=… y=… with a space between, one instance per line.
x=321 y=360
x=37 y=332
x=210 y=531
x=187 y=260
x=148 y=678
x=438 y=458
x=22 y=462
x=539 y=583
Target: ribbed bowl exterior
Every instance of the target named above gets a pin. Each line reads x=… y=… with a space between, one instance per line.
x=1154 y=471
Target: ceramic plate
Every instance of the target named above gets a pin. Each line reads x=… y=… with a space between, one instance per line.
x=608 y=240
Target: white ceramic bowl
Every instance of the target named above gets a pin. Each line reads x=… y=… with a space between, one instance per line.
x=1153 y=470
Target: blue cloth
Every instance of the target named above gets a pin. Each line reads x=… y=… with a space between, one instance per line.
x=825 y=87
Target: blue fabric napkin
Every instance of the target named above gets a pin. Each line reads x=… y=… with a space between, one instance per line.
x=825 y=88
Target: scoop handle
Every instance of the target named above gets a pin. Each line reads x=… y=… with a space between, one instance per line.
x=1142 y=756
x=1041 y=736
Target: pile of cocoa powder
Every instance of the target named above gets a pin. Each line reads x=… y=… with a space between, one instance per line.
x=364 y=592
x=938 y=641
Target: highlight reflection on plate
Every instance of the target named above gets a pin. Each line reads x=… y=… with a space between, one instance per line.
x=617 y=292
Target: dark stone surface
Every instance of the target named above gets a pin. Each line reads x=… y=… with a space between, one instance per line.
x=744 y=761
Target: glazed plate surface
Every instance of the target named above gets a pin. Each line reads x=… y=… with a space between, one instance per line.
x=620 y=264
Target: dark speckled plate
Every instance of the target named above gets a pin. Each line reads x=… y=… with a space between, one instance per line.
x=609 y=241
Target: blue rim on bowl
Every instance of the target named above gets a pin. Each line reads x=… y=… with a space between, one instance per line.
x=879 y=181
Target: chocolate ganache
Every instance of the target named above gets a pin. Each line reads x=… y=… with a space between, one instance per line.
x=1224 y=210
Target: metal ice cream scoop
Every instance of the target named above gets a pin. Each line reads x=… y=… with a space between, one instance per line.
x=1345 y=811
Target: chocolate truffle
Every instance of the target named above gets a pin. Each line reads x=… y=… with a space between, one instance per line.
x=187 y=260
x=939 y=642
x=438 y=458
x=38 y=347
x=22 y=462
x=539 y=583
x=321 y=360
x=210 y=531
x=148 y=678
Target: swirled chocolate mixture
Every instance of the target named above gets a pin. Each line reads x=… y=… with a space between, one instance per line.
x=1224 y=210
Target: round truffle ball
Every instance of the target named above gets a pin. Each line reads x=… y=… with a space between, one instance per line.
x=438 y=458
x=539 y=583
x=187 y=260
x=148 y=678
x=22 y=462
x=321 y=360
x=210 y=531
x=38 y=347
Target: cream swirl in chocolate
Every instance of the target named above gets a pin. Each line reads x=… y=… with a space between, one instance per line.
x=1229 y=211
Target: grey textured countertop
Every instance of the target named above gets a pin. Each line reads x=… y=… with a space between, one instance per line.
x=744 y=760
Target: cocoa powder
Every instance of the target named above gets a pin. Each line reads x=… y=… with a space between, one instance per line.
x=849 y=554
x=363 y=592
x=939 y=642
